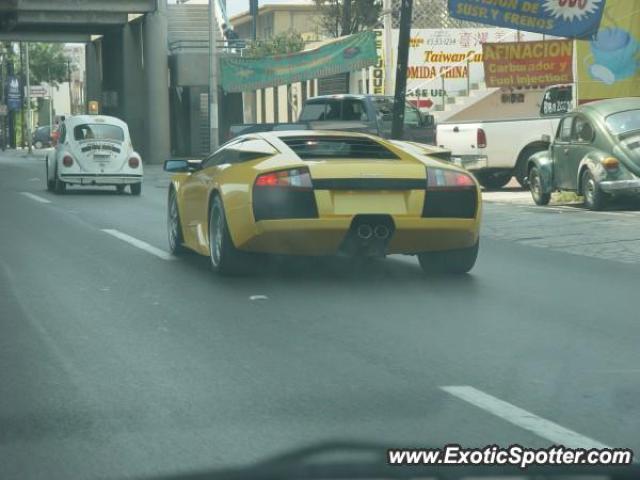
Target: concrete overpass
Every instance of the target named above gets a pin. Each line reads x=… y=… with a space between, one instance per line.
x=127 y=70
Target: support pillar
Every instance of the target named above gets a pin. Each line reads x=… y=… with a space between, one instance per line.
x=157 y=142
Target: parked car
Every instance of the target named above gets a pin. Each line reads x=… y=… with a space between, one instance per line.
x=596 y=153
x=352 y=113
x=42 y=137
x=323 y=193
x=94 y=150
x=497 y=150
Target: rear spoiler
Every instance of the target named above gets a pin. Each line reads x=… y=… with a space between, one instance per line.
x=425 y=149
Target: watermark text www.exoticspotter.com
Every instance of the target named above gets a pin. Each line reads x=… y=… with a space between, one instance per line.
x=513 y=455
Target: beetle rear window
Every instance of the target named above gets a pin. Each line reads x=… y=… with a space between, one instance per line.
x=90 y=131
x=623 y=122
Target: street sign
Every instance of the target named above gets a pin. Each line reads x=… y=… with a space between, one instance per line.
x=14 y=97
x=39 y=91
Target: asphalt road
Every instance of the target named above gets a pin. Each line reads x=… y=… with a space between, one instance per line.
x=116 y=362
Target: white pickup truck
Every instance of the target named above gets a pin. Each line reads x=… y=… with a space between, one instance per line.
x=497 y=150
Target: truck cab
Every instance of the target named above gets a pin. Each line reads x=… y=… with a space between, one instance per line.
x=368 y=114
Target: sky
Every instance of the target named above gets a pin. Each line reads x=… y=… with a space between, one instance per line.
x=238 y=6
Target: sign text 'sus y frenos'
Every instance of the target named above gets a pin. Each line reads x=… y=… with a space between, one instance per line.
x=562 y=18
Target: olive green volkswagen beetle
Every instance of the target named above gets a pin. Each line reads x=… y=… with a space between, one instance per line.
x=596 y=153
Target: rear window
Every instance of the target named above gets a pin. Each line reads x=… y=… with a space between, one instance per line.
x=96 y=131
x=321 y=110
x=623 y=122
x=310 y=148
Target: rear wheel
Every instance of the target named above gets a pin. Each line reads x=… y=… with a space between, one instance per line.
x=535 y=184
x=449 y=261
x=493 y=180
x=174 y=227
x=136 y=189
x=120 y=189
x=226 y=259
x=51 y=184
x=58 y=185
x=38 y=145
x=594 y=198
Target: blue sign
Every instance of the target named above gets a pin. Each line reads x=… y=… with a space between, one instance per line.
x=561 y=18
x=14 y=96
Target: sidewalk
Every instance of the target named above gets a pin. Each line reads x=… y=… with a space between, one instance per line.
x=24 y=153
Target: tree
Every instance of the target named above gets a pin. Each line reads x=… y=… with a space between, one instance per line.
x=48 y=63
x=283 y=43
x=359 y=15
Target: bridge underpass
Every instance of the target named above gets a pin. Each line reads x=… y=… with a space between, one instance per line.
x=126 y=57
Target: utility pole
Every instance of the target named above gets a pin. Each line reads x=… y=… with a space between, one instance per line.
x=253 y=10
x=50 y=99
x=397 y=128
x=26 y=58
x=346 y=17
x=70 y=89
x=388 y=46
x=213 y=78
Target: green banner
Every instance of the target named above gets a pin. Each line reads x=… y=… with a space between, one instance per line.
x=348 y=54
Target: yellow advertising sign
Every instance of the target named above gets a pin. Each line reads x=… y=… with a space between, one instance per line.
x=608 y=66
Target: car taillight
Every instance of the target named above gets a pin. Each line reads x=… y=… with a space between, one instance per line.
x=440 y=179
x=610 y=163
x=67 y=161
x=296 y=178
x=481 y=138
x=134 y=162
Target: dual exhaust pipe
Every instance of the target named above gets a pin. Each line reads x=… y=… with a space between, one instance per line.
x=366 y=231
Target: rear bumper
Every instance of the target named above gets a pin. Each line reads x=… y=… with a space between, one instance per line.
x=325 y=236
x=621 y=186
x=470 y=162
x=100 y=179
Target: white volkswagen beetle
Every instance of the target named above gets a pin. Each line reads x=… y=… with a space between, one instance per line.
x=94 y=150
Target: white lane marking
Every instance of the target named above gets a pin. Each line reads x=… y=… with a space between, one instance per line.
x=140 y=244
x=34 y=179
x=258 y=297
x=522 y=418
x=35 y=197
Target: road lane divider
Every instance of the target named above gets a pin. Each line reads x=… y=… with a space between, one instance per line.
x=542 y=427
x=139 y=244
x=35 y=197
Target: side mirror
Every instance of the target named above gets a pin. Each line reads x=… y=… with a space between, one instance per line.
x=179 y=166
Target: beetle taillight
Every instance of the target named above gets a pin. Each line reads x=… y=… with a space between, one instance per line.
x=134 y=162
x=67 y=161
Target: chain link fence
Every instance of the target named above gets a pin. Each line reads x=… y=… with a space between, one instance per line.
x=430 y=14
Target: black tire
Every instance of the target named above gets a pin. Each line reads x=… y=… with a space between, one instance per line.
x=120 y=189
x=51 y=184
x=136 y=189
x=174 y=226
x=520 y=171
x=38 y=145
x=493 y=181
x=594 y=198
x=456 y=262
x=535 y=185
x=59 y=186
x=225 y=258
